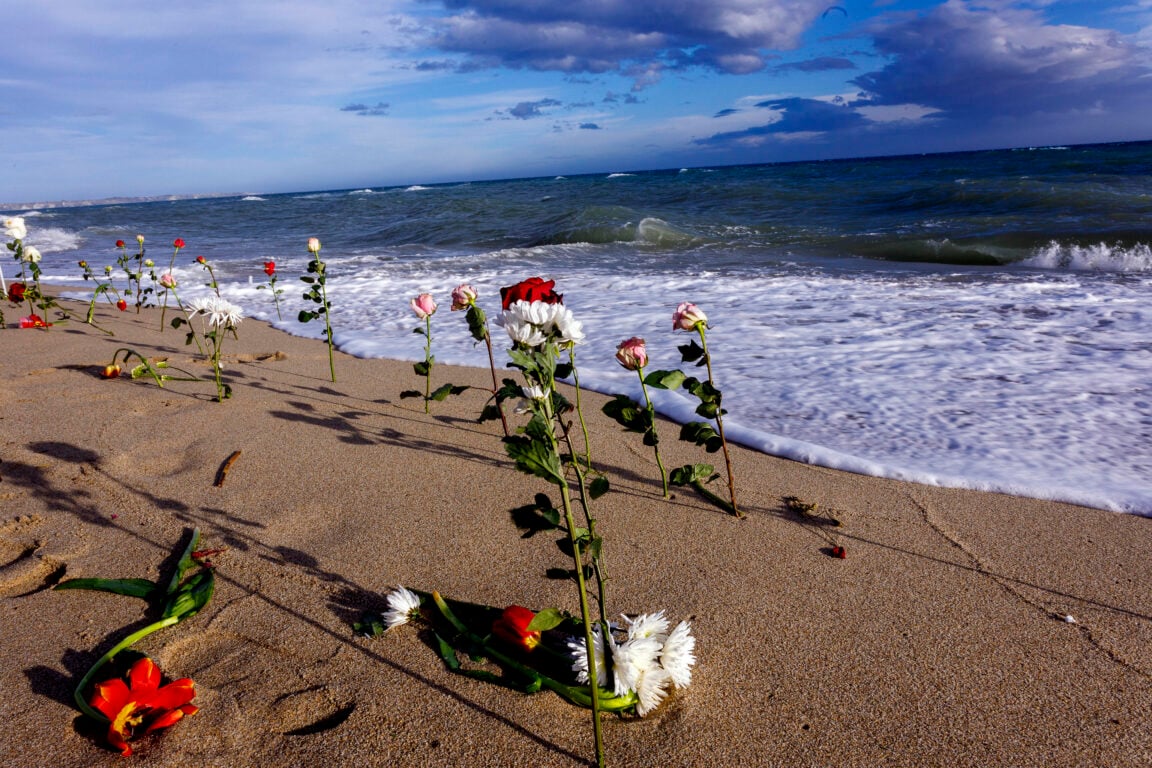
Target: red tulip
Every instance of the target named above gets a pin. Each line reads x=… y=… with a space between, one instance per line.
x=512 y=627
x=269 y=268
x=33 y=321
x=178 y=242
x=143 y=705
x=110 y=372
x=121 y=305
x=532 y=289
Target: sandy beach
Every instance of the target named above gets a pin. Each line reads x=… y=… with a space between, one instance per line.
x=941 y=639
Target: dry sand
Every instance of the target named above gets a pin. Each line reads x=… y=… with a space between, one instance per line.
x=939 y=641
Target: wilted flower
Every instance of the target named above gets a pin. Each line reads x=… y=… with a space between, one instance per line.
x=313 y=245
x=403 y=604
x=632 y=353
x=33 y=321
x=463 y=296
x=423 y=305
x=167 y=280
x=269 y=268
x=16 y=293
x=534 y=392
x=512 y=627
x=143 y=705
x=688 y=316
x=31 y=255
x=110 y=371
x=14 y=228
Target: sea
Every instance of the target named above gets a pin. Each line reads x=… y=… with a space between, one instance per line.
x=976 y=320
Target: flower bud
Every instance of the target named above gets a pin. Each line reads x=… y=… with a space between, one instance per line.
x=269 y=268
x=119 y=243
x=463 y=296
x=688 y=316
x=423 y=305
x=167 y=280
x=632 y=353
x=313 y=245
x=140 y=239
x=31 y=255
x=178 y=242
x=110 y=371
x=149 y=263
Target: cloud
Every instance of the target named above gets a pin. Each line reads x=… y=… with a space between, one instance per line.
x=969 y=61
x=589 y=127
x=795 y=115
x=726 y=112
x=379 y=110
x=526 y=110
x=637 y=38
x=822 y=64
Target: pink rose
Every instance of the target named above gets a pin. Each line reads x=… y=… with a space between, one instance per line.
x=463 y=296
x=313 y=245
x=632 y=353
x=688 y=316
x=424 y=305
x=167 y=280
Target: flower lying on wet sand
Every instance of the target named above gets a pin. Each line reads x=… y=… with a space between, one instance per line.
x=142 y=705
x=512 y=628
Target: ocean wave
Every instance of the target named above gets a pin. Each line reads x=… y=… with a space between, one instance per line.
x=416 y=188
x=52 y=240
x=1100 y=257
x=254 y=198
x=619 y=175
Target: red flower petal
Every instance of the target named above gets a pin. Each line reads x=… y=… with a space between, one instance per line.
x=143 y=678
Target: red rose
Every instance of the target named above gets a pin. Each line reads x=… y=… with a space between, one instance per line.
x=16 y=293
x=839 y=552
x=269 y=268
x=119 y=243
x=512 y=627
x=532 y=289
x=121 y=305
x=178 y=242
x=199 y=259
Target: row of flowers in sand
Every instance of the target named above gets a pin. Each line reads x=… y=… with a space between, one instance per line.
x=626 y=665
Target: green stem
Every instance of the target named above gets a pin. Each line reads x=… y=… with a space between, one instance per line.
x=652 y=419
x=328 y=324
x=125 y=643
x=720 y=426
x=495 y=386
x=580 y=410
x=427 y=361
x=578 y=560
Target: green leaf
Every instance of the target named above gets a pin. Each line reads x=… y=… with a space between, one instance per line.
x=477 y=323
x=192 y=595
x=371 y=624
x=441 y=393
x=490 y=412
x=142 y=588
x=690 y=473
x=547 y=619
x=598 y=487
x=697 y=432
x=177 y=322
x=422 y=368
x=534 y=457
x=305 y=315
x=664 y=379
x=308 y=279
x=691 y=351
x=628 y=414
x=418 y=331
x=563 y=371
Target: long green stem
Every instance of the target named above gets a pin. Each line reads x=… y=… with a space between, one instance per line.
x=495 y=385
x=580 y=410
x=578 y=560
x=720 y=426
x=427 y=361
x=328 y=326
x=652 y=417
x=107 y=657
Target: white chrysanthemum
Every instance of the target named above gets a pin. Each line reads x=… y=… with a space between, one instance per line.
x=678 y=655
x=534 y=392
x=580 y=658
x=199 y=306
x=220 y=312
x=31 y=255
x=519 y=327
x=651 y=688
x=402 y=605
x=566 y=327
x=14 y=228
x=631 y=660
x=653 y=625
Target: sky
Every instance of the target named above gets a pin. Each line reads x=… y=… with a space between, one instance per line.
x=128 y=98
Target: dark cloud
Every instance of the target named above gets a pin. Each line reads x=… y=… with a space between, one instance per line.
x=971 y=62
x=822 y=64
x=589 y=127
x=797 y=115
x=640 y=38
x=526 y=110
x=726 y=112
x=379 y=110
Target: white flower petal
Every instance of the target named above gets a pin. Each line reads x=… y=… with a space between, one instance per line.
x=402 y=604
x=678 y=655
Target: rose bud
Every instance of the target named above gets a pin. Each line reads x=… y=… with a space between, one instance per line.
x=167 y=281
x=314 y=245
x=119 y=243
x=269 y=268
x=687 y=316
x=423 y=305
x=632 y=353
x=121 y=305
x=463 y=296
x=512 y=627
x=178 y=242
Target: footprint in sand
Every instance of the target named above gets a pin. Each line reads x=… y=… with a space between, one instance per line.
x=30 y=561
